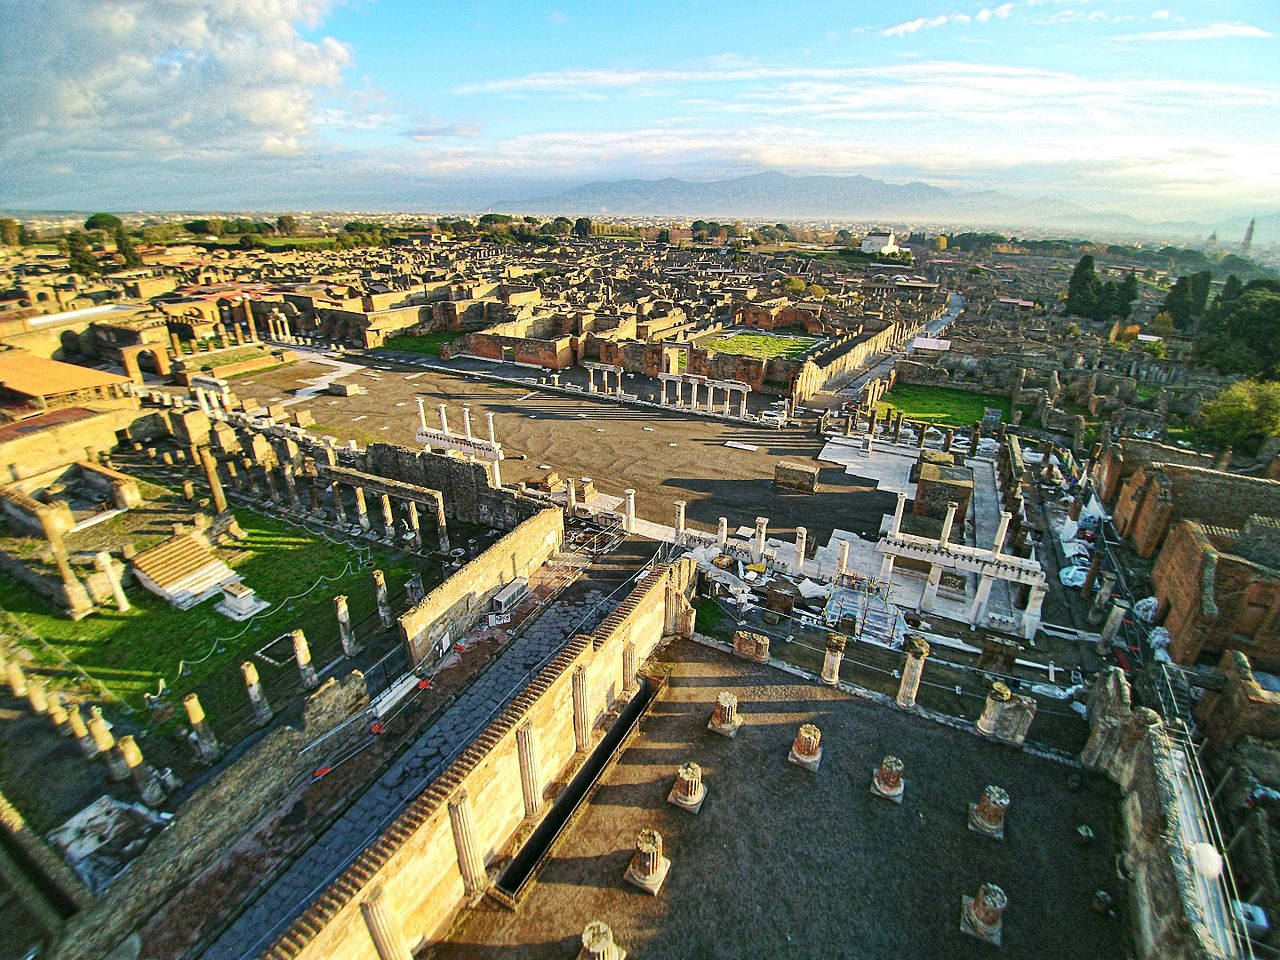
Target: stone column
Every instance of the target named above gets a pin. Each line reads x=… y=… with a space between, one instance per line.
x=648 y=866
x=980 y=596
x=722 y=533
x=797 y=560
x=215 y=483
x=887 y=780
x=999 y=695
x=257 y=696
x=896 y=525
x=37 y=698
x=362 y=511
x=1111 y=629
x=629 y=510
x=302 y=656
x=206 y=741
x=948 y=438
x=17 y=678
x=415 y=526
x=571 y=497
x=757 y=548
x=58 y=714
x=388 y=518
x=694 y=404
x=597 y=943
x=912 y=669
x=384 y=601
x=466 y=420
x=382 y=927
x=144 y=775
x=1102 y=599
x=629 y=667
x=444 y=419
x=711 y=398
x=931 y=588
x=1001 y=530
x=832 y=656
x=987 y=815
x=1031 y=615
x=105 y=744
x=340 y=511
x=679 y=528
x=470 y=860
x=102 y=561
x=974 y=438
x=742 y=406
x=842 y=559
x=530 y=779
x=947 y=523
x=688 y=791
x=724 y=718
x=921 y=428
x=807 y=749
x=345 y=632
x=442 y=524
x=983 y=916
x=291 y=485
x=886 y=567
x=581 y=722
x=88 y=746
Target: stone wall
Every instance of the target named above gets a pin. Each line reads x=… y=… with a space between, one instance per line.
x=468 y=495
x=209 y=823
x=1241 y=708
x=448 y=610
x=415 y=865
x=1120 y=460
x=1131 y=747
x=838 y=361
x=44 y=450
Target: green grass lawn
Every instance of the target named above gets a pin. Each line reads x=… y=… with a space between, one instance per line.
x=131 y=652
x=942 y=405
x=759 y=345
x=428 y=344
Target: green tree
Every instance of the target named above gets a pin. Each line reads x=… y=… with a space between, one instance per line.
x=210 y=227
x=287 y=225
x=817 y=291
x=1243 y=334
x=582 y=227
x=1084 y=289
x=792 y=286
x=1161 y=324
x=102 y=221
x=124 y=247
x=80 y=258
x=246 y=241
x=1187 y=299
x=664 y=235
x=561 y=226
x=1243 y=416
x=10 y=232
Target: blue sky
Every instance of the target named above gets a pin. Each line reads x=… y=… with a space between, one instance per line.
x=1159 y=109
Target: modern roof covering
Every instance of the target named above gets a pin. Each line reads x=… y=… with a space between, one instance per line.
x=32 y=376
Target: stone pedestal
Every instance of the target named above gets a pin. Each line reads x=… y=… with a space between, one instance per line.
x=302 y=656
x=999 y=695
x=345 y=632
x=384 y=601
x=257 y=696
x=987 y=815
x=648 y=868
x=887 y=780
x=807 y=749
x=832 y=656
x=983 y=916
x=724 y=718
x=751 y=646
x=597 y=943
x=1006 y=716
x=206 y=741
x=688 y=791
x=144 y=775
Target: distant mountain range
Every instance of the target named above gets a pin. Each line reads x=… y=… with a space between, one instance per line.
x=777 y=195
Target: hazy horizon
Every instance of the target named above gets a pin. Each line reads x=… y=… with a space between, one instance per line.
x=1157 y=110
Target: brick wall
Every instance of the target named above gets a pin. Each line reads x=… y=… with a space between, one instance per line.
x=1242 y=708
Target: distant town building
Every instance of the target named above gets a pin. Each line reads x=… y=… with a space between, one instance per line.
x=879 y=244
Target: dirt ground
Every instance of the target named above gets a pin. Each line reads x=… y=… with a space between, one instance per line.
x=664 y=457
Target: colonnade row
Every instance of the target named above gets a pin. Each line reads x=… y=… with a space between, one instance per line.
x=728 y=388
x=487 y=449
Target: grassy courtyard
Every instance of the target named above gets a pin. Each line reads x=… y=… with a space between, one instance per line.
x=763 y=346
x=428 y=344
x=131 y=652
x=945 y=406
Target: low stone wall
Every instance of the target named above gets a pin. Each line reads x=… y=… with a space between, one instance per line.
x=414 y=869
x=43 y=451
x=209 y=823
x=273 y=358
x=448 y=610
x=1131 y=747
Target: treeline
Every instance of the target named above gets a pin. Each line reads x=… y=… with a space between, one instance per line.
x=1240 y=330
x=1088 y=295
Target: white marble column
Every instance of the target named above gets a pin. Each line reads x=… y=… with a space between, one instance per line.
x=470 y=860
x=530 y=780
x=581 y=721
x=979 y=605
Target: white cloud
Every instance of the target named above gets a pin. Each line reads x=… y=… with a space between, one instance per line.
x=147 y=82
x=909 y=27
x=1222 y=30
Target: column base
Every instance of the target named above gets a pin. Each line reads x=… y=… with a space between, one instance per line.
x=977 y=826
x=894 y=796
x=728 y=730
x=693 y=806
x=809 y=763
x=650 y=885
x=992 y=934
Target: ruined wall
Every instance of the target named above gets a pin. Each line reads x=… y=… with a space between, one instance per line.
x=1121 y=460
x=211 y=821
x=415 y=864
x=448 y=610
x=1242 y=708
x=45 y=450
x=468 y=495
x=1130 y=746
x=838 y=361
x=553 y=354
